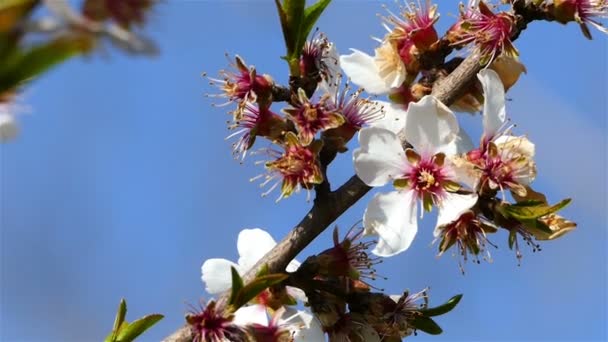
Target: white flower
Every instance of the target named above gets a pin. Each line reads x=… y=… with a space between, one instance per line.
x=502 y=161
x=252 y=245
x=8 y=125
x=378 y=74
x=419 y=174
x=286 y=324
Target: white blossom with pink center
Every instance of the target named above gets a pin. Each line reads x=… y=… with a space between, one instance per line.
x=421 y=174
x=286 y=324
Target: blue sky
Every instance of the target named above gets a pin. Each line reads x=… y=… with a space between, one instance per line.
x=121 y=184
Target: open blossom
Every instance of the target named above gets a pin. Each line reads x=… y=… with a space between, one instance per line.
x=502 y=161
x=359 y=112
x=311 y=118
x=241 y=84
x=415 y=24
x=410 y=33
x=255 y=121
x=489 y=32
x=349 y=258
x=295 y=168
x=398 y=318
x=422 y=174
x=252 y=245
x=285 y=325
x=468 y=233
x=583 y=12
x=320 y=56
x=213 y=324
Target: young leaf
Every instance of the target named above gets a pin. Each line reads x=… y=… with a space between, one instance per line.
x=442 y=309
x=295 y=14
x=255 y=287
x=237 y=285
x=120 y=318
x=530 y=210
x=512 y=238
x=311 y=15
x=39 y=59
x=426 y=324
x=138 y=327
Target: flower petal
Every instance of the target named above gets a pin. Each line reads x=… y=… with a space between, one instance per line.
x=380 y=157
x=392 y=217
x=252 y=314
x=512 y=145
x=304 y=326
x=363 y=71
x=452 y=206
x=430 y=125
x=297 y=294
x=494 y=113
x=8 y=126
x=252 y=245
x=465 y=172
x=394 y=117
x=461 y=144
x=217 y=276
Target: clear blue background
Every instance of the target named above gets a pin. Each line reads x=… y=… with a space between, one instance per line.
x=121 y=184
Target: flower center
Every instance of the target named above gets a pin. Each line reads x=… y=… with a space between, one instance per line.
x=310 y=113
x=426 y=180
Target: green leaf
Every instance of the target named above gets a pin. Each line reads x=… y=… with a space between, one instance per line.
x=284 y=24
x=444 y=308
x=530 y=210
x=426 y=324
x=138 y=327
x=512 y=238
x=24 y=65
x=237 y=285
x=294 y=9
x=255 y=287
x=118 y=320
x=311 y=15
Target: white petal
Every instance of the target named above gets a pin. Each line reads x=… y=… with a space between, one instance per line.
x=297 y=294
x=304 y=326
x=293 y=266
x=363 y=71
x=380 y=157
x=515 y=145
x=452 y=206
x=252 y=245
x=394 y=117
x=494 y=113
x=465 y=172
x=429 y=125
x=217 y=276
x=461 y=144
x=252 y=314
x=8 y=127
x=392 y=217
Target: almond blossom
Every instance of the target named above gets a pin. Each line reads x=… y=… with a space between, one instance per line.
x=252 y=245
x=420 y=174
x=285 y=325
x=412 y=32
x=502 y=161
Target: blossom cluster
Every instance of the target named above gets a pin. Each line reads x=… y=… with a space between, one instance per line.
x=411 y=142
